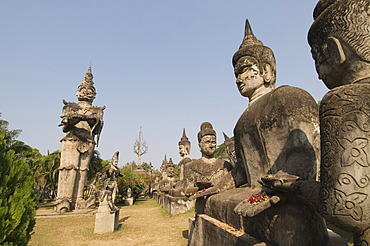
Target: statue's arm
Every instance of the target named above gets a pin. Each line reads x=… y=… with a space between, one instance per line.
x=232 y=179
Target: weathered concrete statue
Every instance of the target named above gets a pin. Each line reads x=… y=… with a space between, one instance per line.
x=169 y=182
x=278 y=131
x=163 y=167
x=113 y=174
x=229 y=150
x=340 y=45
x=81 y=122
x=184 y=151
x=206 y=171
x=107 y=216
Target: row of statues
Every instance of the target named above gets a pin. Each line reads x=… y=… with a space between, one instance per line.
x=273 y=183
x=283 y=142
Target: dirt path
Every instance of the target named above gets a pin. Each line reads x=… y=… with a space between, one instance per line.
x=144 y=223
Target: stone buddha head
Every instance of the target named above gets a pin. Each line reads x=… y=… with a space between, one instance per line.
x=254 y=66
x=340 y=41
x=115 y=159
x=207 y=140
x=184 y=145
x=170 y=169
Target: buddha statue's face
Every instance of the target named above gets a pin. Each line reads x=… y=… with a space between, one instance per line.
x=182 y=150
x=248 y=76
x=170 y=171
x=207 y=145
x=115 y=162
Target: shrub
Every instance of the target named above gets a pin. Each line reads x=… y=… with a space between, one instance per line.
x=17 y=198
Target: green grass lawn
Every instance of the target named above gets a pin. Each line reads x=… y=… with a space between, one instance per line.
x=144 y=223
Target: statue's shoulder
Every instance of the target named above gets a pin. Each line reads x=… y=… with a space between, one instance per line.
x=184 y=161
x=192 y=164
x=289 y=93
x=289 y=99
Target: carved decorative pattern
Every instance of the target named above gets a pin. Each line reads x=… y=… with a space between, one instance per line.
x=325 y=179
x=345 y=155
x=327 y=154
x=346 y=179
x=354 y=152
x=349 y=205
x=361 y=125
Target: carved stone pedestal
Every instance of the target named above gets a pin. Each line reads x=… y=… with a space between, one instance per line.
x=106 y=221
x=176 y=205
x=158 y=197
x=129 y=201
x=155 y=196
x=209 y=231
x=205 y=230
x=63 y=206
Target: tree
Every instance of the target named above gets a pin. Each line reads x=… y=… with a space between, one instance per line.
x=130 y=179
x=9 y=135
x=50 y=173
x=221 y=150
x=17 y=197
x=176 y=171
x=138 y=182
x=147 y=167
x=97 y=165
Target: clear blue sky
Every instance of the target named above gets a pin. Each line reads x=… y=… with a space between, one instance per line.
x=163 y=65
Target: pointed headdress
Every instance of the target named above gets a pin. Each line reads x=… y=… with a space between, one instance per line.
x=251 y=46
x=86 y=91
x=185 y=141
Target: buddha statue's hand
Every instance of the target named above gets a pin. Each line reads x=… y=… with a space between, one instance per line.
x=259 y=202
x=280 y=181
x=204 y=192
x=191 y=191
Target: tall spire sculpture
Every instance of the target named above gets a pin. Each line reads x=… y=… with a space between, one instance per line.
x=140 y=148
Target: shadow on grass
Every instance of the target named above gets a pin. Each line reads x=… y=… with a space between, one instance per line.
x=185 y=234
x=139 y=201
x=119 y=229
x=45 y=205
x=124 y=219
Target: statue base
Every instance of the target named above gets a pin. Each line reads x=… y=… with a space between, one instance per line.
x=205 y=230
x=129 y=201
x=292 y=222
x=176 y=205
x=106 y=221
x=63 y=206
x=158 y=197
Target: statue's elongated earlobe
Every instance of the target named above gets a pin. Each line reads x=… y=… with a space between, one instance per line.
x=336 y=51
x=267 y=73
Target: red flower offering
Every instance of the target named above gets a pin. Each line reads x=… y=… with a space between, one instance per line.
x=201 y=191
x=256 y=199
